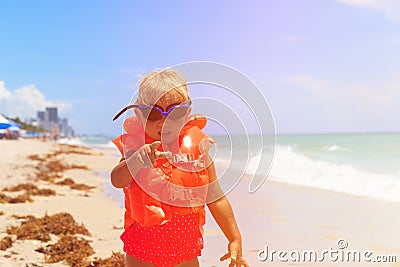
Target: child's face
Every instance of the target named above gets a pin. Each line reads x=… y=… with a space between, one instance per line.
x=165 y=129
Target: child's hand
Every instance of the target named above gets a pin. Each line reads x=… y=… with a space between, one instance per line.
x=235 y=255
x=204 y=147
x=148 y=153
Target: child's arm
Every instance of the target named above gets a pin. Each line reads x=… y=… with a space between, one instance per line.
x=122 y=174
x=222 y=212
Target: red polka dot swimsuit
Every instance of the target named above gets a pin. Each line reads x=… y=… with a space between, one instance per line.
x=165 y=245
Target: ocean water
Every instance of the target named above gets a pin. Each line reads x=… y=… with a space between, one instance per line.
x=101 y=142
x=357 y=164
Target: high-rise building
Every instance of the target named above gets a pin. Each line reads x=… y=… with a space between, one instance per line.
x=41 y=116
x=52 y=114
x=49 y=121
x=63 y=126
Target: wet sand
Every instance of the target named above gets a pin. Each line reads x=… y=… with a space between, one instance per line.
x=295 y=218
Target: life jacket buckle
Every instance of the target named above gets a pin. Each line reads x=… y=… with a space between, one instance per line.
x=178 y=194
x=186 y=195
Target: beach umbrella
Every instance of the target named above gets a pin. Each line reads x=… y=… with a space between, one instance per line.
x=4 y=123
x=15 y=124
x=13 y=128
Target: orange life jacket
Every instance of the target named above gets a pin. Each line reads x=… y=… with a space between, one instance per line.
x=182 y=182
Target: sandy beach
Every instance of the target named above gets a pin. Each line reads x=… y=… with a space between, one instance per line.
x=295 y=218
x=99 y=214
x=279 y=217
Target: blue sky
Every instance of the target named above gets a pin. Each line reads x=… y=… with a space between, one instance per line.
x=323 y=66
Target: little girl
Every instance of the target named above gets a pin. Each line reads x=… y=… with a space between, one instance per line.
x=168 y=177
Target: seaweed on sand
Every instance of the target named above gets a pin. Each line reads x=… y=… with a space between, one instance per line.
x=55 y=165
x=71 y=183
x=117 y=259
x=71 y=149
x=18 y=199
x=50 y=170
x=41 y=228
x=70 y=249
x=47 y=176
x=82 y=167
x=5 y=243
x=31 y=190
x=35 y=157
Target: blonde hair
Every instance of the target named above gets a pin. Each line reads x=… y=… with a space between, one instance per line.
x=158 y=83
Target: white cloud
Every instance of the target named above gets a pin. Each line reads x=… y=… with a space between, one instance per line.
x=391 y=8
x=30 y=96
x=4 y=93
x=24 y=102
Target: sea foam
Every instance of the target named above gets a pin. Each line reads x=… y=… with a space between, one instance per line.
x=293 y=167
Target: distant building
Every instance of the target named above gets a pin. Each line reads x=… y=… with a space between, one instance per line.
x=40 y=120
x=52 y=115
x=41 y=116
x=33 y=122
x=49 y=119
x=64 y=128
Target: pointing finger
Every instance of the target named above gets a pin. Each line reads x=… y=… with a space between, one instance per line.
x=226 y=256
x=152 y=149
x=205 y=145
x=154 y=145
x=144 y=159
